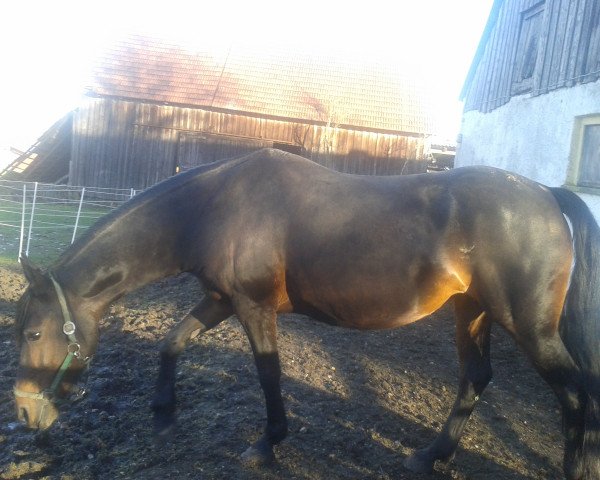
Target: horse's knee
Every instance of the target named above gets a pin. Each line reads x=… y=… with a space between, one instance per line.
x=176 y=339
x=172 y=345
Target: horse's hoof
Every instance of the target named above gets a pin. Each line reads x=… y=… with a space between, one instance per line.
x=574 y=467
x=255 y=457
x=419 y=463
x=164 y=431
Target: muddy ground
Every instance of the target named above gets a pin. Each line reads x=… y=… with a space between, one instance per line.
x=358 y=402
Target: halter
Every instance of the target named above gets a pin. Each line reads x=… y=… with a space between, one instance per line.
x=73 y=351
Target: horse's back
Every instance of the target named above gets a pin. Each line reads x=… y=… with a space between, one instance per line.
x=371 y=251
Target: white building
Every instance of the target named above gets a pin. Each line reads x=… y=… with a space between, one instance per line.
x=532 y=95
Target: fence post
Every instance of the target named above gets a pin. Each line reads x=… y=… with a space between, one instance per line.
x=78 y=214
x=131 y=194
x=35 y=188
x=22 y=222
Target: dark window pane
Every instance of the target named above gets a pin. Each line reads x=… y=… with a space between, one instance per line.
x=589 y=168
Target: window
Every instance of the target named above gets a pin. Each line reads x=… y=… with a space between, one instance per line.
x=592 y=64
x=527 y=48
x=585 y=153
x=589 y=168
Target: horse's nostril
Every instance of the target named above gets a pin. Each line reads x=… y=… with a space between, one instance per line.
x=23 y=415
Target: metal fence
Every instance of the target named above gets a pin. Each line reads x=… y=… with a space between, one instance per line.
x=42 y=219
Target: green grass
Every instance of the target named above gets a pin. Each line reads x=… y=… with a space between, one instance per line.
x=51 y=234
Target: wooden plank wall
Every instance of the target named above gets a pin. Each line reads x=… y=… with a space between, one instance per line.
x=102 y=140
x=125 y=144
x=568 y=51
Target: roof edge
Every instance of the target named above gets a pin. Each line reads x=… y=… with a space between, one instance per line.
x=321 y=123
x=485 y=36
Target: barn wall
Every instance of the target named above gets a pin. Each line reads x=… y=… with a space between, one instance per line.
x=564 y=52
x=126 y=144
x=102 y=140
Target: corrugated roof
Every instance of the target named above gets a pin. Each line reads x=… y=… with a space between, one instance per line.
x=265 y=81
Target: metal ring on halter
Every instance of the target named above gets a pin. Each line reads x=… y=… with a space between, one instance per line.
x=74 y=348
x=69 y=328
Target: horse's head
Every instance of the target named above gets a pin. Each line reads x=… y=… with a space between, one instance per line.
x=55 y=348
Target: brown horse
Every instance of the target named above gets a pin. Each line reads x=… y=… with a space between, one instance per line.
x=272 y=232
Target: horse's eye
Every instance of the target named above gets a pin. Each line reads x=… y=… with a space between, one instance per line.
x=32 y=336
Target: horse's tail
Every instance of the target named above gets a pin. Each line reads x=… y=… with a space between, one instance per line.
x=580 y=325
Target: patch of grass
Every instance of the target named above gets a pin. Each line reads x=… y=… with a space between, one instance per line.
x=51 y=233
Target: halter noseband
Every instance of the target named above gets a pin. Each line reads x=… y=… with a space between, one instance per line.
x=73 y=351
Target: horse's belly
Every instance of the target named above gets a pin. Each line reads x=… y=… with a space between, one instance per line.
x=359 y=317
x=380 y=302
x=377 y=313
x=382 y=321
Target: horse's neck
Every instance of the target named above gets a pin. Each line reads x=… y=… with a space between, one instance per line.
x=142 y=242
x=117 y=259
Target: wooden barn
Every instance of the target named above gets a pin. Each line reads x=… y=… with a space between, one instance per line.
x=154 y=108
x=532 y=95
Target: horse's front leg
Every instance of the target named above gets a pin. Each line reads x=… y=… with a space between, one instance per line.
x=260 y=323
x=473 y=343
x=206 y=315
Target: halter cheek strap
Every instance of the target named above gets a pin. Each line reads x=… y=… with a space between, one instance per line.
x=73 y=351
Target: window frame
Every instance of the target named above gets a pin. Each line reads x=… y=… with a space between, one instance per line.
x=520 y=85
x=574 y=181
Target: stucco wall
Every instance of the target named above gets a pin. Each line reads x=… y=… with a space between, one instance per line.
x=529 y=135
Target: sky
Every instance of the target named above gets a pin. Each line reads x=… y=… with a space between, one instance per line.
x=47 y=48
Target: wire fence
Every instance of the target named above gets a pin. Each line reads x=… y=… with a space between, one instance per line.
x=41 y=220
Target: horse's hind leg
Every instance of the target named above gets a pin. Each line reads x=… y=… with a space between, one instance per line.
x=206 y=315
x=473 y=342
x=554 y=363
x=260 y=323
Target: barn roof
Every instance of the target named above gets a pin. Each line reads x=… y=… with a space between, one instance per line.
x=47 y=160
x=273 y=82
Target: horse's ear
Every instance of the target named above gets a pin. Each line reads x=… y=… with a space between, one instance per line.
x=34 y=275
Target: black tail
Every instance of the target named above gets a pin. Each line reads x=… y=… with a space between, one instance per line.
x=580 y=325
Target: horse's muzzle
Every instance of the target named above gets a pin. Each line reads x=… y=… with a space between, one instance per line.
x=38 y=413
x=40 y=410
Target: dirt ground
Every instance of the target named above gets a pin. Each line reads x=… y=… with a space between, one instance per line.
x=357 y=402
